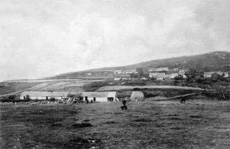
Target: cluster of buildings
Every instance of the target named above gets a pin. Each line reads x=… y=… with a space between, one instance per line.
x=110 y=96
x=123 y=72
x=57 y=95
x=220 y=73
x=161 y=73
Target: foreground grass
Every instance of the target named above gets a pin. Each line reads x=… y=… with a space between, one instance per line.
x=148 y=124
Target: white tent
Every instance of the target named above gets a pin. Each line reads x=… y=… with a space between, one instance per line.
x=137 y=96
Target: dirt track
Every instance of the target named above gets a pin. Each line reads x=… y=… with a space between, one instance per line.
x=114 y=88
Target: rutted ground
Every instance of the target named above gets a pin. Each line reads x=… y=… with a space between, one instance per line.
x=147 y=124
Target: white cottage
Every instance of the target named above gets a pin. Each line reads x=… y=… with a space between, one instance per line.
x=43 y=95
x=99 y=96
x=157 y=75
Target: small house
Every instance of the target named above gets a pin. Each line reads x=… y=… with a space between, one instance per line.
x=118 y=71
x=130 y=71
x=163 y=69
x=173 y=75
x=160 y=79
x=144 y=79
x=175 y=69
x=208 y=74
x=117 y=79
x=99 y=96
x=152 y=69
x=226 y=74
x=157 y=75
x=125 y=77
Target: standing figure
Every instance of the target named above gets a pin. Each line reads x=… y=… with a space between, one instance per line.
x=86 y=99
x=124 y=107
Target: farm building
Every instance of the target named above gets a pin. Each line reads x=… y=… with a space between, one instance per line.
x=118 y=72
x=152 y=69
x=130 y=71
x=160 y=69
x=117 y=79
x=163 y=69
x=99 y=96
x=175 y=69
x=137 y=96
x=43 y=95
x=144 y=79
x=122 y=77
x=157 y=75
x=172 y=75
x=210 y=74
x=224 y=74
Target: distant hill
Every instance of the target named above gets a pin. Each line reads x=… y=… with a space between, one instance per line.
x=214 y=61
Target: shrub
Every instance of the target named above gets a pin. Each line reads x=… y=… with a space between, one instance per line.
x=12 y=97
x=52 y=99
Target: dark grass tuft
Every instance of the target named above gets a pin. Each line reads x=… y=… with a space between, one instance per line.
x=142 y=120
x=110 y=122
x=81 y=125
x=195 y=116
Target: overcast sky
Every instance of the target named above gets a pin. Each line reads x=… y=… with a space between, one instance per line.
x=41 y=38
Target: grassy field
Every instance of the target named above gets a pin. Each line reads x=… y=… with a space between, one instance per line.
x=16 y=86
x=147 y=124
x=43 y=85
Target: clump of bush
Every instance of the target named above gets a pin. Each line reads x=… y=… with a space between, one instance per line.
x=10 y=98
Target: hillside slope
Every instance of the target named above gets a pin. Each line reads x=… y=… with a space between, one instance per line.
x=214 y=61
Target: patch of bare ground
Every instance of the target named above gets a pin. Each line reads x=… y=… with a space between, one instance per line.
x=146 y=124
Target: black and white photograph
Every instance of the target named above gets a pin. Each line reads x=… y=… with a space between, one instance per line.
x=115 y=74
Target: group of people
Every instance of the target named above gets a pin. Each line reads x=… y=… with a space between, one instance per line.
x=123 y=107
x=91 y=101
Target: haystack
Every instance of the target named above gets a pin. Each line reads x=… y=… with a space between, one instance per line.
x=137 y=96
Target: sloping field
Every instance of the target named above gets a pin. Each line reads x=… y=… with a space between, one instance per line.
x=40 y=86
x=16 y=87
x=43 y=85
x=148 y=124
x=116 y=88
x=65 y=85
x=56 y=86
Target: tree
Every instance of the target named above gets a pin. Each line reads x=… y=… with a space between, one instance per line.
x=140 y=71
x=193 y=74
x=133 y=75
x=179 y=77
x=52 y=99
x=216 y=77
x=12 y=97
